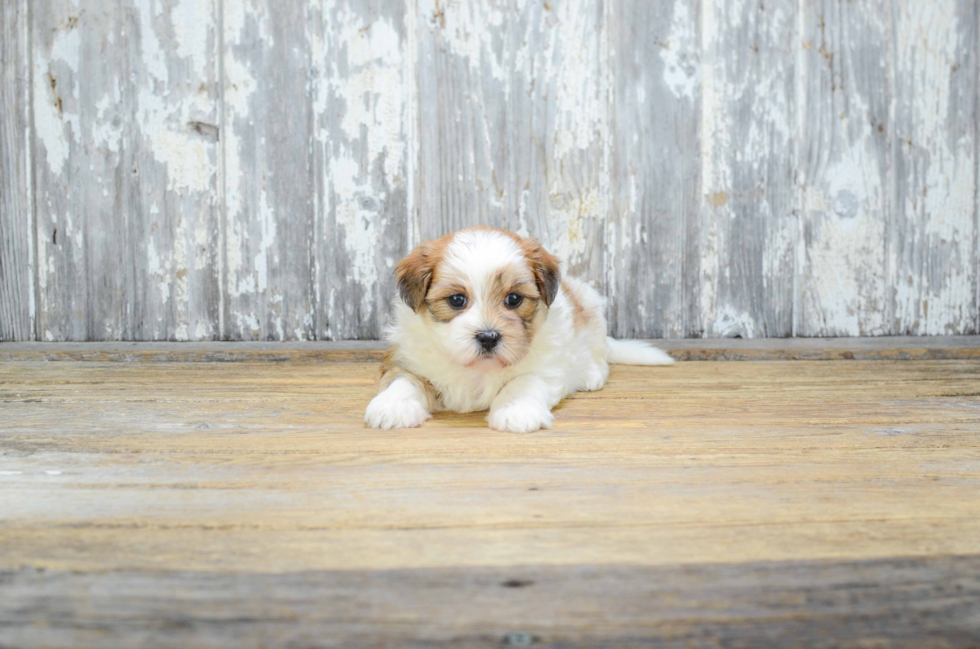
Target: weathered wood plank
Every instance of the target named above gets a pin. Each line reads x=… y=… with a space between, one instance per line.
x=835 y=192
x=899 y=602
x=789 y=503
x=125 y=108
x=653 y=261
x=16 y=190
x=318 y=109
x=749 y=233
x=845 y=168
x=268 y=171
x=269 y=467
x=365 y=154
x=933 y=270
x=513 y=119
x=690 y=349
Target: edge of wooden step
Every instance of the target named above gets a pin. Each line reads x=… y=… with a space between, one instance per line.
x=362 y=351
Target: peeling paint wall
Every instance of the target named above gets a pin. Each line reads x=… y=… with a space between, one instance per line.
x=17 y=308
x=253 y=169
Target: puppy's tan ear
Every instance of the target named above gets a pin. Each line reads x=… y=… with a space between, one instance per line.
x=413 y=275
x=544 y=265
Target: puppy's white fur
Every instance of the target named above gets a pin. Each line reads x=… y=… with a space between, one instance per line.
x=438 y=365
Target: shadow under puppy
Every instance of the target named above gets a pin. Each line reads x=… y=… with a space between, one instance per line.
x=485 y=321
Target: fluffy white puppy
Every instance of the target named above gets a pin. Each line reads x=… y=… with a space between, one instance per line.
x=486 y=322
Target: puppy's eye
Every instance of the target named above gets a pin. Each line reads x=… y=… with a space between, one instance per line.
x=513 y=300
x=456 y=301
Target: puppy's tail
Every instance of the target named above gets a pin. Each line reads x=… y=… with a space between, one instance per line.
x=635 y=352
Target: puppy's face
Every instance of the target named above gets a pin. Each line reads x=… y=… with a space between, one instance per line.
x=483 y=291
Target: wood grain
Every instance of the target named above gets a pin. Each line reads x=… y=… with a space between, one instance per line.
x=251 y=170
x=750 y=196
x=268 y=174
x=706 y=504
x=830 y=460
x=125 y=101
x=909 y=602
x=365 y=154
x=904 y=348
x=513 y=120
x=846 y=168
x=933 y=260
x=653 y=259
x=310 y=247
x=16 y=189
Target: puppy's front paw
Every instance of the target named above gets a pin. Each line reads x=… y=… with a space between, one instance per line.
x=393 y=410
x=595 y=380
x=520 y=418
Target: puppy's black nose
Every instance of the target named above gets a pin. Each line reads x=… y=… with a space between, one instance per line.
x=488 y=339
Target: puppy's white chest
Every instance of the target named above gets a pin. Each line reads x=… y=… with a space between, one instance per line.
x=468 y=393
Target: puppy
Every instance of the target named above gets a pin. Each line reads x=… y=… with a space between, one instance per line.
x=486 y=322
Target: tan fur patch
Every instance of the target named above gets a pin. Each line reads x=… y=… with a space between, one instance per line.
x=445 y=283
x=414 y=273
x=517 y=326
x=580 y=316
x=513 y=279
x=438 y=303
x=545 y=267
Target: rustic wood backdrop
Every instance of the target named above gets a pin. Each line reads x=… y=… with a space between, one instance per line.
x=252 y=169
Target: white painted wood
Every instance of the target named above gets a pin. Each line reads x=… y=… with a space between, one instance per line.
x=125 y=100
x=252 y=169
x=268 y=175
x=653 y=254
x=845 y=168
x=317 y=111
x=513 y=122
x=16 y=190
x=932 y=245
x=364 y=151
x=749 y=230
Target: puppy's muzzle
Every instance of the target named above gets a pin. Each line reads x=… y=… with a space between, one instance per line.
x=488 y=340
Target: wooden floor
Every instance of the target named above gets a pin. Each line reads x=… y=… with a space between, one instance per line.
x=734 y=504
